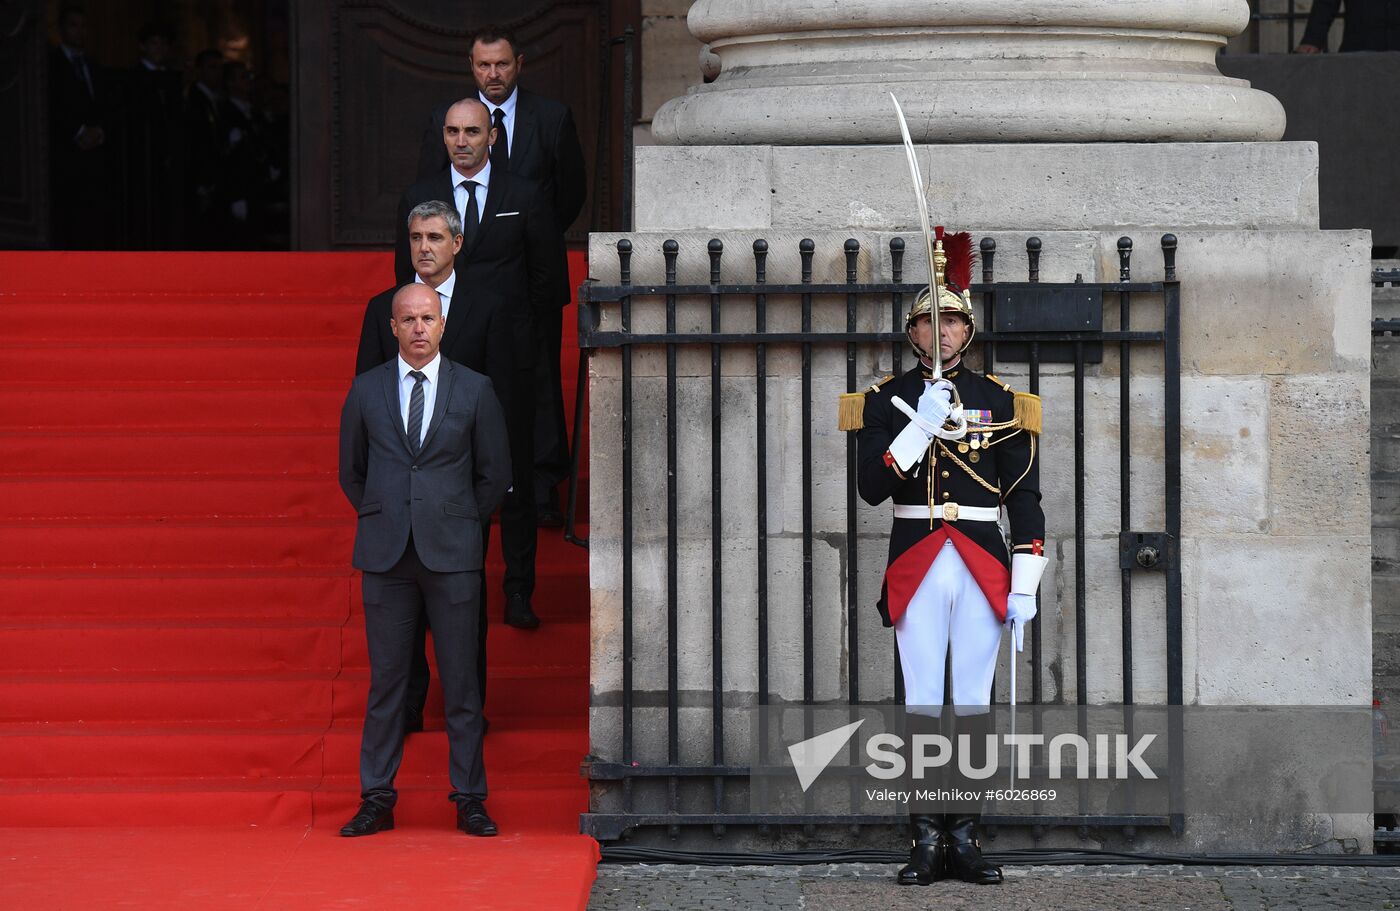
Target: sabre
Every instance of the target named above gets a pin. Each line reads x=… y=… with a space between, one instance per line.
x=923 y=223
x=1011 y=647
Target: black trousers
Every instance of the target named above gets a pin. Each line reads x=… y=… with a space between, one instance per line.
x=518 y=531
x=551 y=434
x=393 y=602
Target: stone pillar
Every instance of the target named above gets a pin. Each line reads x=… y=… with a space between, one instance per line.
x=808 y=72
x=1078 y=122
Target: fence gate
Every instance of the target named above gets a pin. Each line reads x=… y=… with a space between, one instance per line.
x=1051 y=328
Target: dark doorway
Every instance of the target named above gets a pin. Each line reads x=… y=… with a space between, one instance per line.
x=268 y=124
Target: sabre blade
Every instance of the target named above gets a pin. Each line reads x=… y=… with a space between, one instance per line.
x=913 y=158
x=1012 y=650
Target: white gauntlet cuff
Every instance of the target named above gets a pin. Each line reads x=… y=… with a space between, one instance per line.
x=1026 y=570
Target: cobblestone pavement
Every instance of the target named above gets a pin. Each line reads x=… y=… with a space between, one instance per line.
x=848 y=887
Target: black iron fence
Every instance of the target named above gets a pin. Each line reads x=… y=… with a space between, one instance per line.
x=1035 y=322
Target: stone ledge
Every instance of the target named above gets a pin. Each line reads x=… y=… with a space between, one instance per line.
x=1052 y=186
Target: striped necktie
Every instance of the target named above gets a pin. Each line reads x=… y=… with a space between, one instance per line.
x=415 y=410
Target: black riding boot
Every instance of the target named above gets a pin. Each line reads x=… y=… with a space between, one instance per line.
x=965 y=860
x=928 y=858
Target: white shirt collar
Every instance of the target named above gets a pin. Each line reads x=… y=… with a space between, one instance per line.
x=444 y=289
x=482 y=177
x=430 y=369
x=149 y=66
x=508 y=105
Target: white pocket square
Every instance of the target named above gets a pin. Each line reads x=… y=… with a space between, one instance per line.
x=504 y=214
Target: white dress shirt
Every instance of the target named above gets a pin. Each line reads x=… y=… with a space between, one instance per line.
x=508 y=106
x=444 y=290
x=430 y=370
x=459 y=192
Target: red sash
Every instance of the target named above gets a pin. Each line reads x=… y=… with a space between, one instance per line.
x=904 y=576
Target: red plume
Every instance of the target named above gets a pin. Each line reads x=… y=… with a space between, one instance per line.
x=961 y=259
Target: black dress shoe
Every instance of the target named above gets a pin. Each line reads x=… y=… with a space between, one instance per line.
x=519 y=614
x=412 y=720
x=472 y=819
x=371 y=818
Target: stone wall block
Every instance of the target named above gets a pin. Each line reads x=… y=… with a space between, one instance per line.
x=1385 y=549
x=1385 y=454
x=1319 y=454
x=1385 y=361
x=678 y=188
x=1296 y=302
x=1385 y=588
x=1280 y=625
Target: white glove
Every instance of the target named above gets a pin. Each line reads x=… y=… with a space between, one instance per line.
x=912 y=442
x=936 y=404
x=1020 y=610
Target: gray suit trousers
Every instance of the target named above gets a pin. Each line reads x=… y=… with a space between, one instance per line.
x=392 y=601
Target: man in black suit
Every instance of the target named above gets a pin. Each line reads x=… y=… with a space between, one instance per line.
x=206 y=148
x=82 y=185
x=423 y=459
x=478 y=335
x=535 y=138
x=153 y=149
x=509 y=249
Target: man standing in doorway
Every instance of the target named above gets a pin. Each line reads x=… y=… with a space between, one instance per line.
x=536 y=139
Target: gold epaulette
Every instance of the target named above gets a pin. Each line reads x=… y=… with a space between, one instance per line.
x=1025 y=407
x=850 y=414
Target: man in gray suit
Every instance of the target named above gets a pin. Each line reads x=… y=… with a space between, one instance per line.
x=423 y=459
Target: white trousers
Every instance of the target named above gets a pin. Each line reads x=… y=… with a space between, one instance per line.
x=948 y=609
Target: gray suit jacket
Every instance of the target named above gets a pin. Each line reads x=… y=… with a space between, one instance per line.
x=444 y=494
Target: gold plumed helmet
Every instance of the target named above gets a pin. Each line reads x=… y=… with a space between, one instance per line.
x=953 y=260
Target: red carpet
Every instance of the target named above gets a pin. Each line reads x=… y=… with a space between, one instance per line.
x=182 y=653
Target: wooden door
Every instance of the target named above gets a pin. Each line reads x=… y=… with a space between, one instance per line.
x=367 y=73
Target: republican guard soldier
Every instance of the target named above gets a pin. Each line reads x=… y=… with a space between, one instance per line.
x=951 y=449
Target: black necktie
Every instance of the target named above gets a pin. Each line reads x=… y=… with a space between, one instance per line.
x=415 y=410
x=81 y=67
x=472 y=221
x=500 y=149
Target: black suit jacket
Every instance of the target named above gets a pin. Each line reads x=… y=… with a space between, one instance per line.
x=71 y=104
x=478 y=336
x=545 y=148
x=442 y=494
x=514 y=259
